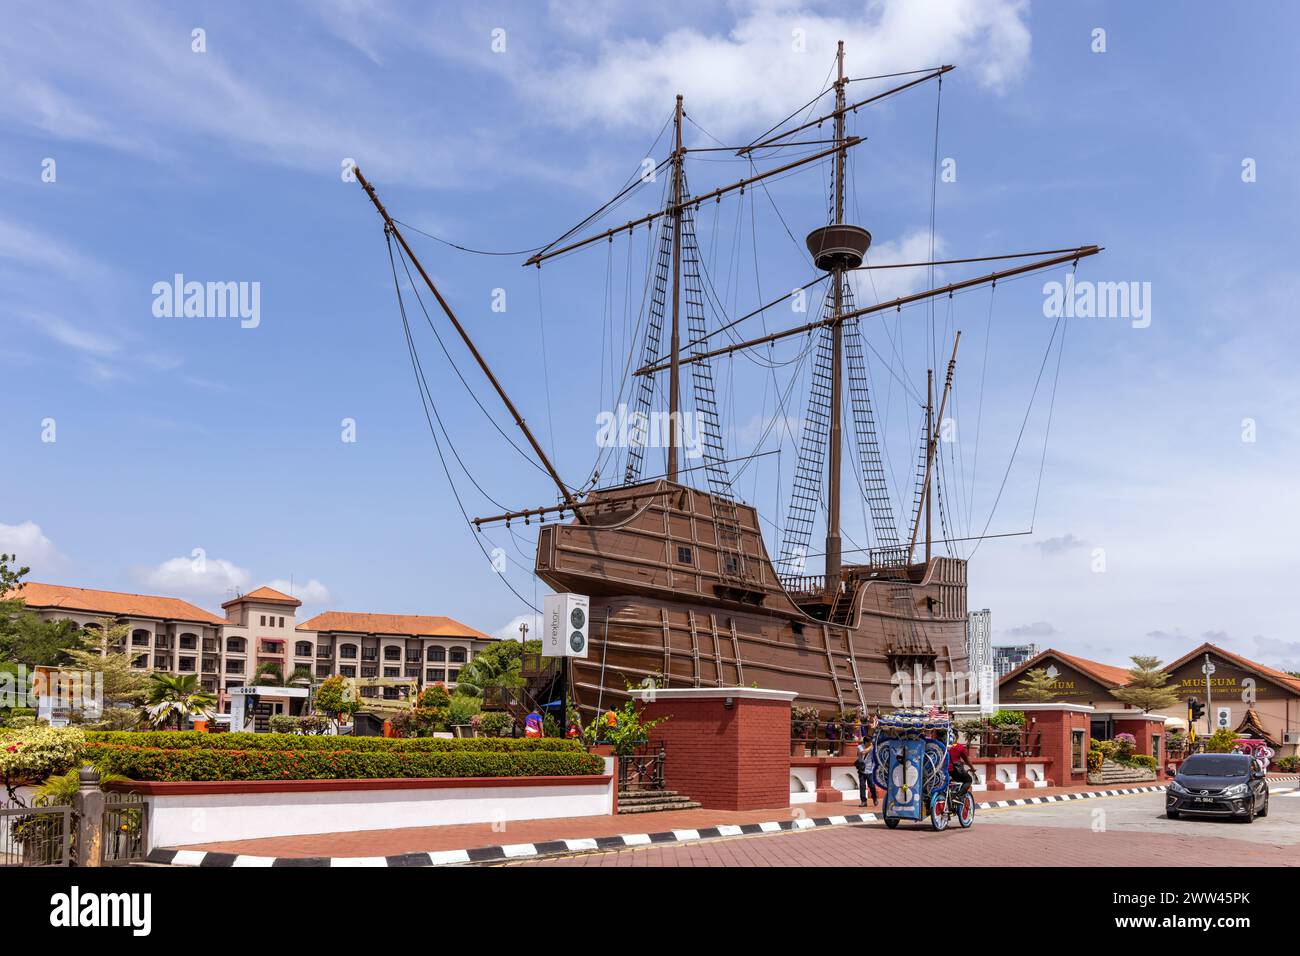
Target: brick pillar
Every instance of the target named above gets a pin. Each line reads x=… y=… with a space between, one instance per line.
x=1056 y=728
x=727 y=748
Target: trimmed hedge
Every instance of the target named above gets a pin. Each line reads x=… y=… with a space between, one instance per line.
x=193 y=740
x=213 y=763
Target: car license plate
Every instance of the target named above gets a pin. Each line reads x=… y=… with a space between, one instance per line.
x=1204 y=799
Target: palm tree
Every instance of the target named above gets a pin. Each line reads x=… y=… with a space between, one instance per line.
x=267 y=675
x=170 y=699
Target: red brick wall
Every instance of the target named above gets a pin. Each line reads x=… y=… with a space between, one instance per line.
x=1055 y=727
x=727 y=759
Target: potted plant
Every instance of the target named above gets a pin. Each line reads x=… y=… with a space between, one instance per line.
x=803 y=723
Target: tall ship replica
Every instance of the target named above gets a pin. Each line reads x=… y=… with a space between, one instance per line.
x=684 y=590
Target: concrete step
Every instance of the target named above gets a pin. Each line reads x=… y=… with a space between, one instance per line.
x=1112 y=773
x=634 y=795
x=681 y=804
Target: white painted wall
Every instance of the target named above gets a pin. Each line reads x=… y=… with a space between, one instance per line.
x=210 y=818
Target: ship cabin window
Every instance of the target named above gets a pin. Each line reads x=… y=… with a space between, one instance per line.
x=684 y=555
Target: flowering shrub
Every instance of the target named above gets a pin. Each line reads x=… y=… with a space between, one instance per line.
x=494 y=723
x=209 y=763
x=191 y=740
x=31 y=754
x=1124 y=744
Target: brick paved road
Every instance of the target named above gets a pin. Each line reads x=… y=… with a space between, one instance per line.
x=1136 y=834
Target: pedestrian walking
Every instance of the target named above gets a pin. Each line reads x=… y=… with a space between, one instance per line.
x=865 y=765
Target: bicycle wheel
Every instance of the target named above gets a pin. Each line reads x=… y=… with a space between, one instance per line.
x=939 y=810
x=966 y=810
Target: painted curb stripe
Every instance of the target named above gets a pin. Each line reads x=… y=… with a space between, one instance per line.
x=495 y=854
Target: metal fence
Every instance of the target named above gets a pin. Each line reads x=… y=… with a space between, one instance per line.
x=40 y=836
x=644 y=769
x=126 y=829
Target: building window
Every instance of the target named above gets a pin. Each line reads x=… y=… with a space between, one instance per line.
x=139 y=638
x=436 y=654
x=282 y=622
x=458 y=655
x=234 y=667
x=263 y=620
x=141 y=661
x=730 y=563
x=453 y=675
x=413 y=672
x=370 y=692
x=1155 y=748
x=189 y=642
x=303 y=648
x=684 y=556
x=347 y=670
x=412 y=655
x=322 y=670
x=235 y=645
x=370 y=653
x=392 y=672
x=349 y=651
x=187 y=664
x=370 y=671
x=433 y=675
x=160 y=663
x=392 y=653
x=1078 y=754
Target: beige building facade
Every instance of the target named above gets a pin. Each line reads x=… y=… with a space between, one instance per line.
x=261 y=628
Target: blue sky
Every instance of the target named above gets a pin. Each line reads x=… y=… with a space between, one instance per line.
x=176 y=434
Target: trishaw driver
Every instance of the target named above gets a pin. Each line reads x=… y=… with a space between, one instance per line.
x=960 y=768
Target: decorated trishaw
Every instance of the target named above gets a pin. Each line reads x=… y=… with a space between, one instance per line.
x=911 y=768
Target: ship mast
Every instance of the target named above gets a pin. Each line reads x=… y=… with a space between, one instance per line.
x=833 y=556
x=674 y=374
x=392 y=229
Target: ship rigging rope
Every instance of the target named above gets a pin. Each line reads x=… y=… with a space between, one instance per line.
x=450 y=361
x=426 y=402
x=1028 y=410
x=401 y=304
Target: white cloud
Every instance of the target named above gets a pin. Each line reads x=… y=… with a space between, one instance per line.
x=742 y=78
x=196 y=577
x=511 y=630
x=30 y=546
x=872 y=286
x=311 y=592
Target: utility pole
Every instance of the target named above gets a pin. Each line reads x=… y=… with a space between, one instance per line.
x=833 y=555
x=1207 y=668
x=675 y=373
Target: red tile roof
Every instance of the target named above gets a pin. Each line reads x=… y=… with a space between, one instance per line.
x=264 y=595
x=1272 y=673
x=110 y=603
x=409 y=625
x=1105 y=674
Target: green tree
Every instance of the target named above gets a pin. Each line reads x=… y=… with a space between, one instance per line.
x=170 y=699
x=11 y=578
x=334 y=697
x=499 y=664
x=32 y=640
x=123 y=686
x=1036 y=686
x=1146 y=688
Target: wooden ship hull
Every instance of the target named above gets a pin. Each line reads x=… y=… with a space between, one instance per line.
x=683 y=593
